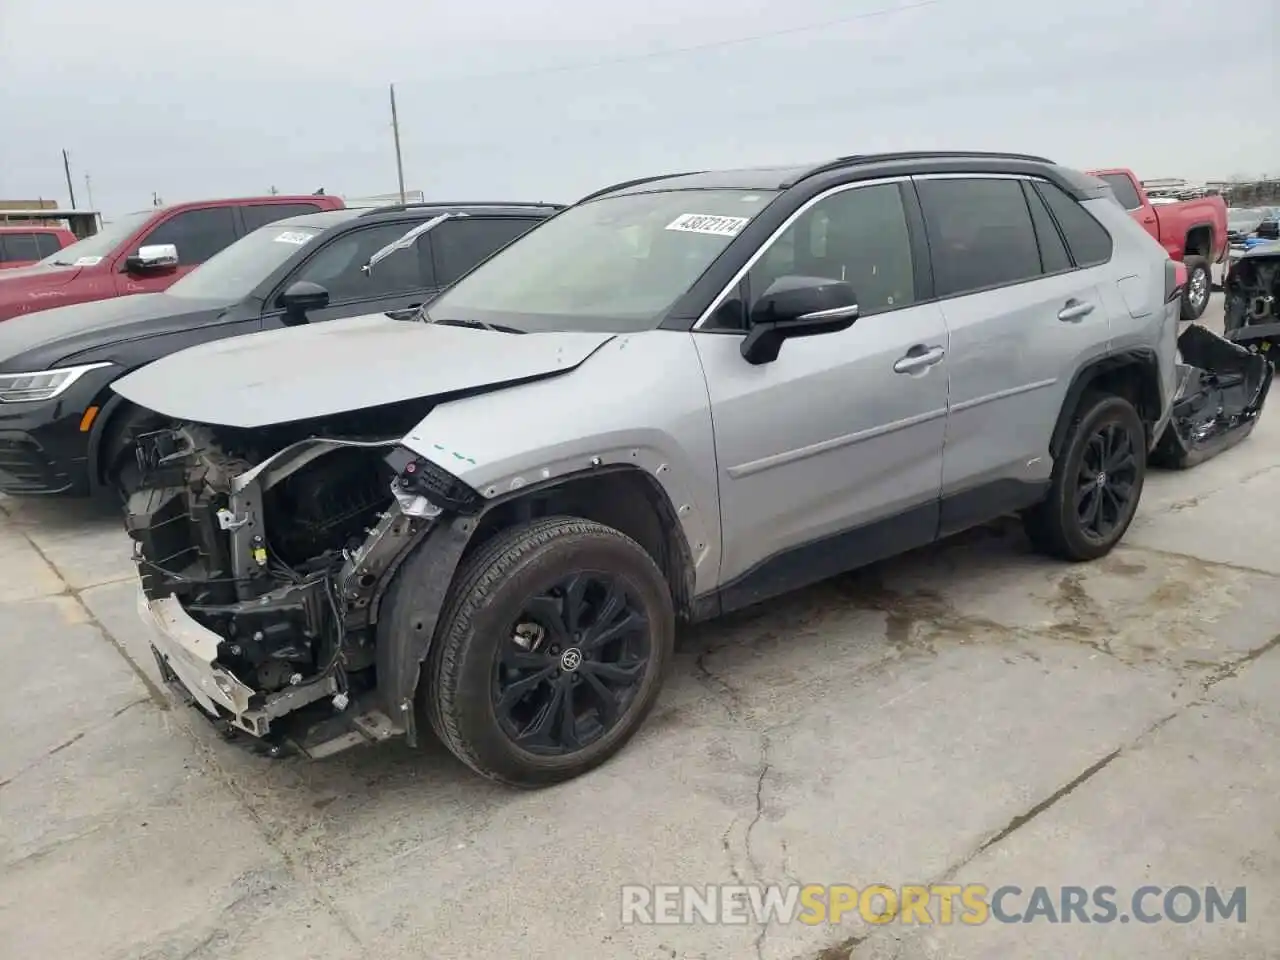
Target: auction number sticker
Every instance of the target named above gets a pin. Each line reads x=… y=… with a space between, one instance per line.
x=293 y=237
x=709 y=223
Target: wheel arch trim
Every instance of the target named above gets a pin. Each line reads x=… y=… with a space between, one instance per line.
x=1143 y=357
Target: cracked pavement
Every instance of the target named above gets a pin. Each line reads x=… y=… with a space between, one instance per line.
x=967 y=713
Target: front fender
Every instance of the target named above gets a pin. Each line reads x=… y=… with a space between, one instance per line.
x=640 y=400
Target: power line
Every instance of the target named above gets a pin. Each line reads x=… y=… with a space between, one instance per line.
x=698 y=47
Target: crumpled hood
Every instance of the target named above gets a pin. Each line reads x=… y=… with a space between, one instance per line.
x=281 y=376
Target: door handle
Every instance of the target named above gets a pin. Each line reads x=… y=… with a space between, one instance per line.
x=1074 y=311
x=918 y=358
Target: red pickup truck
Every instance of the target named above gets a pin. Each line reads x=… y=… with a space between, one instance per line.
x=21 y=246
x=144 y=252
x=1193 y=231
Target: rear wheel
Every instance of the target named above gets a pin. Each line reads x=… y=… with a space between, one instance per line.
x=1199 y=285
x=1097 y=482
x=554 y=643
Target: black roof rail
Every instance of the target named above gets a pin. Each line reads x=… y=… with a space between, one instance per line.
x=637 y=182
x=855 y=159
x=496 y=204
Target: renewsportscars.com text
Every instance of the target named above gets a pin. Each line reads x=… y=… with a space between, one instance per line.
x=928 y=904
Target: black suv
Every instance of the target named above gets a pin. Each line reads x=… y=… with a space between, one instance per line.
x=63 y=431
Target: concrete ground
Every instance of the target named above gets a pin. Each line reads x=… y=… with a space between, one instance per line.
x=969 y=712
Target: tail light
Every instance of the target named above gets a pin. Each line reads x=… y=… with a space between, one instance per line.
x=1175 y=279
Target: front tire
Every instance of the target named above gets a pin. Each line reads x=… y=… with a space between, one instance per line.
x=1097 y=482
x=553 y=646
x=1195 y=299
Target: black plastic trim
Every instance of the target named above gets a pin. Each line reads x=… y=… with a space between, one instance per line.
x=914 y=527
x=1141 y=356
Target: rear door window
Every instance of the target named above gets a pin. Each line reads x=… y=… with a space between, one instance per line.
x=198 y=234
x=260 y=214
x=463 y=243
x=337 y=265
x=1088 y=240
x=980 y=234
x=1124 y=190
x=18 y=247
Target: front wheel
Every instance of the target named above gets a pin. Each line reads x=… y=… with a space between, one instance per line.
x=1097 y=482
x=1199 y=285
x=553 y=647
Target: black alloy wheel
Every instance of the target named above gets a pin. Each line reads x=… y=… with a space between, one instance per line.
x=550 y=650
x=571 y=665
x=1106 y=482
x=1097 y=481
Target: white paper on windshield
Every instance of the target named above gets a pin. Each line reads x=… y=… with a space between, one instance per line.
x=290 y=236
x=88 y=261
x=709 y=223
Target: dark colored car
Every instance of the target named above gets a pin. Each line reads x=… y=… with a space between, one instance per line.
x=62 y=429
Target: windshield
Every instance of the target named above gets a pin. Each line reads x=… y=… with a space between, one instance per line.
x=91 y=250
x=234 y=271
x=616 y=264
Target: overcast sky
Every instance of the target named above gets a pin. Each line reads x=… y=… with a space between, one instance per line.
x=548 y=99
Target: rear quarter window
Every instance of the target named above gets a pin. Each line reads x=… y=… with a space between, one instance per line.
x=1087 y=239
x=48 y=243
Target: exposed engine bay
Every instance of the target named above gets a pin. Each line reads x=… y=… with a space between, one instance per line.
x=279 y=543
x=1221 y=389
x=1252 y=289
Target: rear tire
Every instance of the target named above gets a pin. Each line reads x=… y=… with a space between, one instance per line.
x=553 y=646
x=1199 y=288
x=1097 y=482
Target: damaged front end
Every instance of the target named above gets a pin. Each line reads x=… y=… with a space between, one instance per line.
x=1222 y=387
x=1252 y=300
x=264 y=557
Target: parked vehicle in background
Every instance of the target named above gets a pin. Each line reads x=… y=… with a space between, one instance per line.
x=1244 y=222
x=144 y=252
x=1193 y=231
x=1252 y=301
x=1250 y=227
x=23 y=246
x=680 y=396
x=62 y=430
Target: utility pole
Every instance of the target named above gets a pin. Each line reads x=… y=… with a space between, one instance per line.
x=395 y=130
x=66 y=166
x=88 y=189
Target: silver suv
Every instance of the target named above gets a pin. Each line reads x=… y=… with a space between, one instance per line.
x=680 y=396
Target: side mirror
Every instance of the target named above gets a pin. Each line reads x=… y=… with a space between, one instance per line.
x=1269 y=230
x=302 y=296
x=797 y=307
x=156 y=256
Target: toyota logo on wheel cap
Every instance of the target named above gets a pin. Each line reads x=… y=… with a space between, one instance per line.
x=571 y=659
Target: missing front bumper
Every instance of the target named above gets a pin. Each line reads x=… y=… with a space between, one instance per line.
x=187 y=656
